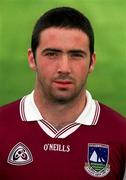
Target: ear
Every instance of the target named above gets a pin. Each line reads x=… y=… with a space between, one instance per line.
x=93 y=61
x=31 y=60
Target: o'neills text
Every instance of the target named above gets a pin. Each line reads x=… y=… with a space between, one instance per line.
x=56 y=147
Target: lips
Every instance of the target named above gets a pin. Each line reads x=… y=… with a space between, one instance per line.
x=63 y=84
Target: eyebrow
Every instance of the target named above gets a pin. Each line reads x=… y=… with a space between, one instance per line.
x=51 y=49
x=60 y=51
x=77 y=51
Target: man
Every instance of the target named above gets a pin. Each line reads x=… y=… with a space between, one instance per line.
x=58 y=131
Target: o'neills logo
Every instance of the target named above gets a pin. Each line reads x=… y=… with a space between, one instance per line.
x=56 y=147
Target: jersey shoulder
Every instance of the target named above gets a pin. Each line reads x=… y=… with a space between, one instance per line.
x=10 y=111
x=111 y=115
x=10 y=106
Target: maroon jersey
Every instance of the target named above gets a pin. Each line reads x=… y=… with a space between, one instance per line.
x=93 y=147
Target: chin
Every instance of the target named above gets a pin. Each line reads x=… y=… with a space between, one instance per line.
x=63 y=99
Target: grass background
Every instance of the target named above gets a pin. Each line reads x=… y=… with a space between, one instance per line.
x=107 y=83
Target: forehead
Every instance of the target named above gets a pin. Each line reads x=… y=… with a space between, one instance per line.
x=63 y=37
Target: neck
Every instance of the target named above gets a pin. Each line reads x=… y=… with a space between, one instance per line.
x=60 y=114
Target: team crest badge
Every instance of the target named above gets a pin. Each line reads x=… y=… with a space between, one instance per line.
x=20 y=155
x=98 y=157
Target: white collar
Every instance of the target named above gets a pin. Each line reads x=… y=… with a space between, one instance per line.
x=89 y=116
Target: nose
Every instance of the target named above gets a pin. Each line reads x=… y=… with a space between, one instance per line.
x=64 y=65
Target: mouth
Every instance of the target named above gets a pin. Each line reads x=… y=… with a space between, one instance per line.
x=63 y=83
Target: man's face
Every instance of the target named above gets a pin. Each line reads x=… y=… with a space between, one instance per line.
x=62 y=63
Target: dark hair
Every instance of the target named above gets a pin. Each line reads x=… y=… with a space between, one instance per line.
x=63 y=17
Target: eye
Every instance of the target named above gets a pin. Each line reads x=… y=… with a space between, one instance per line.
x=51 y=54
x=77 y=55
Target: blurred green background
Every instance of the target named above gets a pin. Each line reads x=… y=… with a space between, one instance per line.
x=108 y=17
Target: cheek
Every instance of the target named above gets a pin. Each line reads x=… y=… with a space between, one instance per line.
x=45 y=70
x=81 y=70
